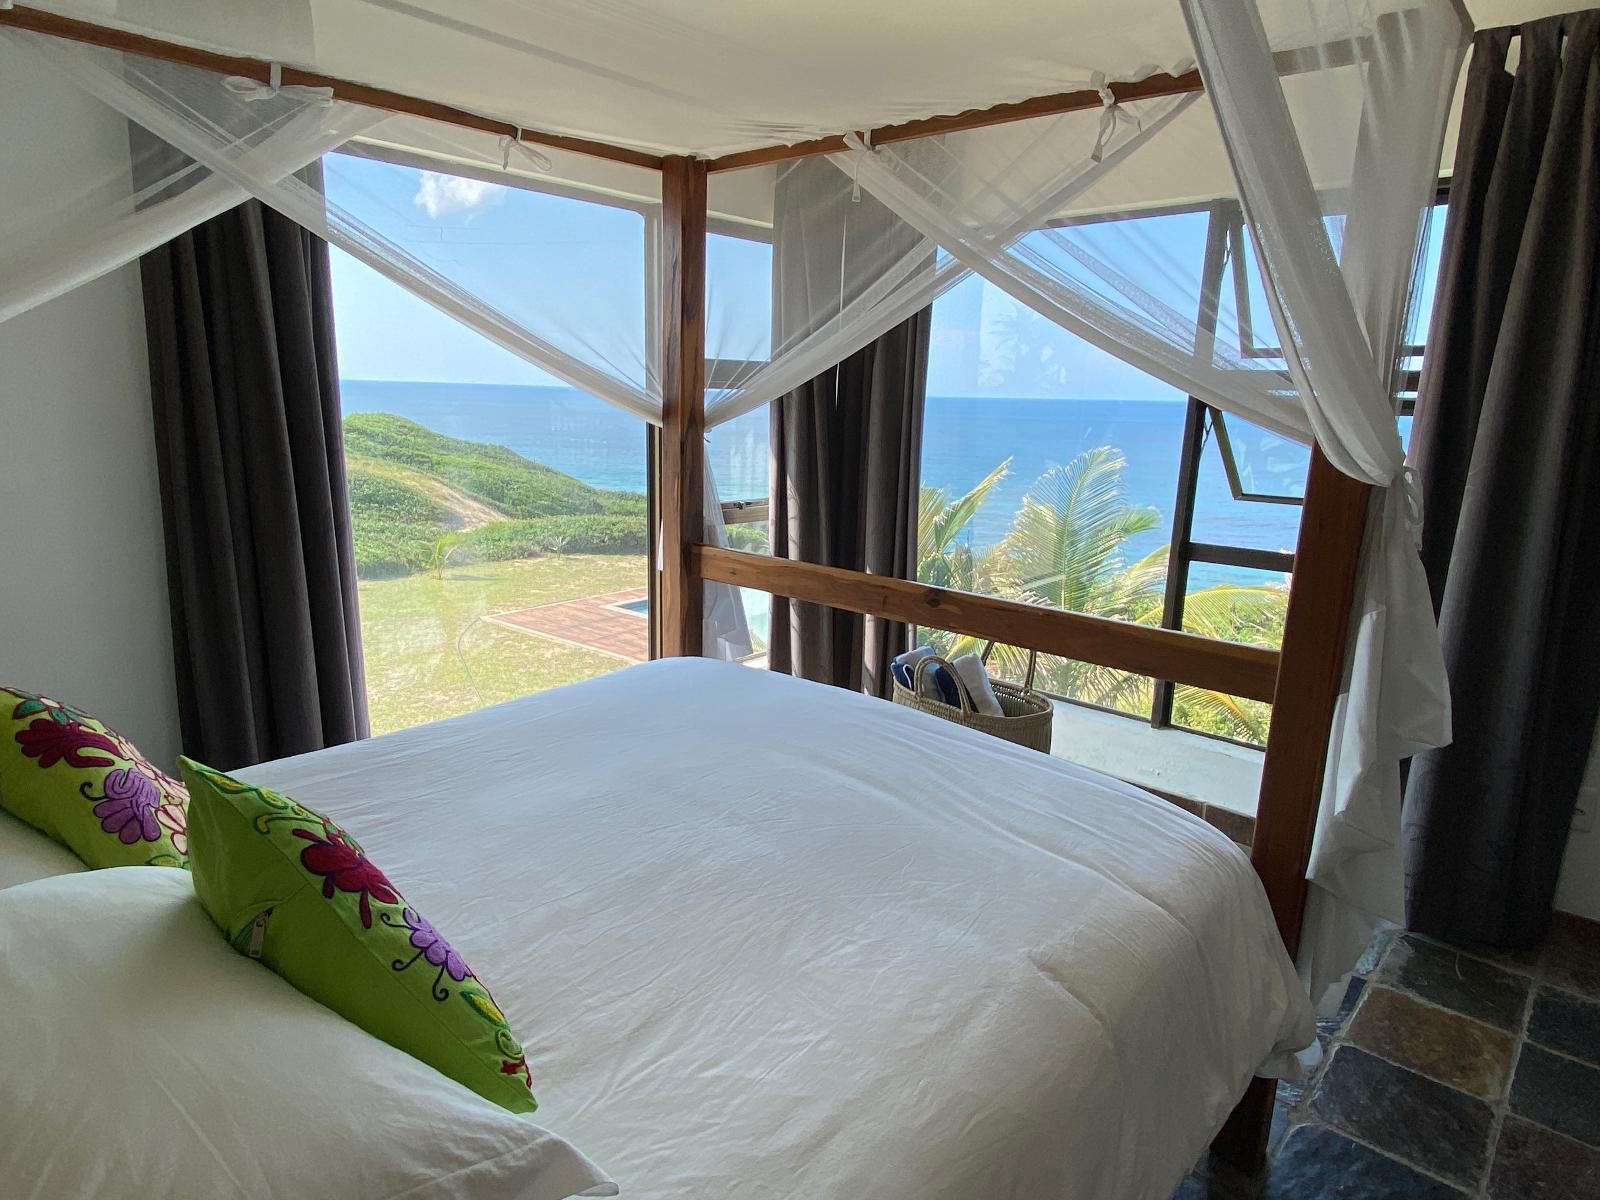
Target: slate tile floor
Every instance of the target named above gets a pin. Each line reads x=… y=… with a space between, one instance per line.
x=1448 y=1075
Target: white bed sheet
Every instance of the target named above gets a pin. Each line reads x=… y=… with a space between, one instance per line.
x=26 y=854
x=768 y=939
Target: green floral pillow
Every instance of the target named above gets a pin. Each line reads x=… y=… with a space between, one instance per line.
x=87 y=786
x=289 y=887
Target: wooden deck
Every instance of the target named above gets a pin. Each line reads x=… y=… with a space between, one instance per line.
x=591 y=622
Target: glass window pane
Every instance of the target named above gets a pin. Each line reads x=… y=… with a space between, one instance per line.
x=1234 y=604
x=1048 y=475
x=739 y=285
x=739 y=453
x=499 y=515
x=1428 y=279
x=1266 y=464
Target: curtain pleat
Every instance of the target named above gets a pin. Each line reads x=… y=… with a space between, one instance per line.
x=260 y=561
x=1506 y=438
x=846 y=461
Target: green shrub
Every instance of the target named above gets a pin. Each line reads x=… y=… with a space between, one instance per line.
x=596 y=534
x=748 y=537
x=517 y=486
x=378 y=497
x=404 y=522
x=393 y=549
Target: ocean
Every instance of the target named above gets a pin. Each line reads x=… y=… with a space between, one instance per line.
x=964 y=438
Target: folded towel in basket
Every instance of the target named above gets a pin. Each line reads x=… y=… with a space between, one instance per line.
x=937 y=684
x=973 y=673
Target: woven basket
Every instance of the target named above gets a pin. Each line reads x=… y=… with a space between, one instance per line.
x=1028 y=715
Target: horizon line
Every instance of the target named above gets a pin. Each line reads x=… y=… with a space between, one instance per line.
x=562 y=387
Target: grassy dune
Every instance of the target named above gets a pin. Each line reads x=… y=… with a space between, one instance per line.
x=430 y=653
x=422 y=501
x=449 y=533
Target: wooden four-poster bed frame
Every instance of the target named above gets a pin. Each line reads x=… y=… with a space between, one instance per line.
x=1301 y=681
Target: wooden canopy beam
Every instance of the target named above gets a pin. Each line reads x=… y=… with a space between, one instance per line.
x=1148 y=88
x=1292 y=61
x=343 y=89
x=1238 y=670
x=681 y=485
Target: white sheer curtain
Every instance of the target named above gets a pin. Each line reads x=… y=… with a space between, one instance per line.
x=461 y=220
x=866 y=272
x=1332 y=140
x=461 y=244
x=110 y=197
x=1339 y=316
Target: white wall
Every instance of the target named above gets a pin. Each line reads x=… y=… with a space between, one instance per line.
x=83 y=592
x=83 y=586
x=1579 y=889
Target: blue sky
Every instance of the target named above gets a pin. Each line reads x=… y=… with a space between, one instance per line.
x=574 y=273
x=583 y=263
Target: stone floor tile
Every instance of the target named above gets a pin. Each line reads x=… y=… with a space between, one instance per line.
x=1317 y=1163
x=1557 y=1092
x=1454 y=980
x=1330 y=1025
x=1533 y=1163
x=1373 y=954
x=1566 y=1022
x=1571 y=957
x=1416 y=1119
x=1442 y=1045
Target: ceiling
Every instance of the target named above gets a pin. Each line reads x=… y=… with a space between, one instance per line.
x=715 y=76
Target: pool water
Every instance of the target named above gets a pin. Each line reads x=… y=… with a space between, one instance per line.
x=756 y=612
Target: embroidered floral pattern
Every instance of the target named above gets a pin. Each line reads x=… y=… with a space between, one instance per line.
x=174 y=818
x=343 y=867
x=128 y=806
x=518 y=1066
x=431 y=948
x=88 y=786
x=55 y=741
x=376 y=944
x=514 y=1061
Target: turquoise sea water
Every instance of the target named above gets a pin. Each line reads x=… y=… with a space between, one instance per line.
x=965 y=437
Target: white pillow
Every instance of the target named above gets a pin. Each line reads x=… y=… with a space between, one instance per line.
x=26 y=854
x=141 y=1057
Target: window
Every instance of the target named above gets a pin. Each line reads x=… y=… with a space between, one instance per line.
x=739 y=452
x=1054 y=472
x=499 y=515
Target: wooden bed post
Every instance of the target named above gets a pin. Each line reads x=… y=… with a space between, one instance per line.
x=1310 y=670
x=681 y=484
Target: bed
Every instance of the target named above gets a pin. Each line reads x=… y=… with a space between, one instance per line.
x=768 y=938
x=27 y=855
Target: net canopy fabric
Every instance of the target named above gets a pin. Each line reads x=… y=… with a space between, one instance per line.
x=1320 y=129
x=704 y=77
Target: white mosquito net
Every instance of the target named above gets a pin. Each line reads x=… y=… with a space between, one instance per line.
x=1320 y=125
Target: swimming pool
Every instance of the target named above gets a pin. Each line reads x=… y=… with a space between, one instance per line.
x=756 y=611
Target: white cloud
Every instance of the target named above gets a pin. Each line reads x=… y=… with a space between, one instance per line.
x=440 y=194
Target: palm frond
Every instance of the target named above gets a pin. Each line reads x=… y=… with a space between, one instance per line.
x=1216 y=712
x=1238 y=613
x=948 y=523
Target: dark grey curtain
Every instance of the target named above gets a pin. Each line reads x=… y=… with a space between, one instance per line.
x=846 y=447
x=846 y=459
x=260 y=564
x=1507 y=443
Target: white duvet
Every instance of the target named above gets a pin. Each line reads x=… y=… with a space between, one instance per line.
x=769 y=939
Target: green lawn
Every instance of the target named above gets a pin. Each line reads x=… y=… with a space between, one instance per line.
x=430 y=656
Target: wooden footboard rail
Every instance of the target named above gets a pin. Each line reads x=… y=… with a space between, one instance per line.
x=1228 y=667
